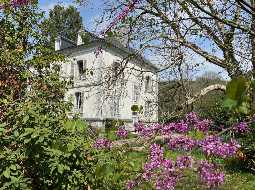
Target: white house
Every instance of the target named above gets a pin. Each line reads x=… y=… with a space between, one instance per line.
x=108 y=79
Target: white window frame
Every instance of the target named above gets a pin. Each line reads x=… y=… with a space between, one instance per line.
x=148 y=84
x=82 y=71
x=78 y=101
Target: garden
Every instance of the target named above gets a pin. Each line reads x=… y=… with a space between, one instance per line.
x=202 y=147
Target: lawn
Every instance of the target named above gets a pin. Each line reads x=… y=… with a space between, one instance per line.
x=235 y=179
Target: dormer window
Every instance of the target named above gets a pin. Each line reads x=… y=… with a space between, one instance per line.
x=81 y=69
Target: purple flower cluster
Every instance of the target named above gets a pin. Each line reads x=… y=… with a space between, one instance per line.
x=166 y=182
x=102 y=143
x=203 y=125
x=131 y=185
x=213 y=146
x=168 y=129
x=183 y=162
x=181 y=127
x=182 y=143
x=209 y=175
x=147 y=131
x=163 y=172
x=192 y=118
x=122 y=132
x=167 y=177
x=241 y=128
x=156 y=153
x=139 y=126
x=200 y=125
x=14 y=3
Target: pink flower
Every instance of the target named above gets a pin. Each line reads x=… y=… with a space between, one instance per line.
x=102 y=143
x=15 y=3
x=126 y=10
x=122 y=132
x=242 y=128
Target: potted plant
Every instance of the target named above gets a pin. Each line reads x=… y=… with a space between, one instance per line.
x=135 y=109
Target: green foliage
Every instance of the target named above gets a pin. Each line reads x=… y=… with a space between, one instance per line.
x=40 y=148
x=113 y=169
x=240 y=104
x=236 y=89
x=237 y=95
x=113 y=124
x=172 y=96
x=137 y=108
x=62 y=21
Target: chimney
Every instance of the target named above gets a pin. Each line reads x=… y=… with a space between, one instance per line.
x=58 y=43
x=79 y=37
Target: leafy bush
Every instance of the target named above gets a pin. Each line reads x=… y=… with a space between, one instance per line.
x=40 y=147
x=113 y=124
x=239 y=103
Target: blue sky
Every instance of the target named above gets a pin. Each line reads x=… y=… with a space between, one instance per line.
x=93 y=10
x=88 y=12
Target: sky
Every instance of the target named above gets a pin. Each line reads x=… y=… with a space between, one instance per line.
x=89 y=12
x=94 y=8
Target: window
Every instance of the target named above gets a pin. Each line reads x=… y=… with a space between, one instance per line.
x=115 y=70
x=136 y=93
x=116 y=107
x=148 y=84
x=148 y=109
x=78 y=100
x=81 y=69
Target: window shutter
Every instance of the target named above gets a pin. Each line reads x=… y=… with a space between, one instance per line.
x=82 y=102
x=84 y=74
x=72 y=70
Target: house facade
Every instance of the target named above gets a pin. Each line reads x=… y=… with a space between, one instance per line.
x=109 y=79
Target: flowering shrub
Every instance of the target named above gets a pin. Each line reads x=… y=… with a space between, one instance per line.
x=213 y=146
x=122 y=132
x=182 y=143
x=209 y=174
x=241 y=128
x=203 y=125
x=102 y=143
x=160 y=172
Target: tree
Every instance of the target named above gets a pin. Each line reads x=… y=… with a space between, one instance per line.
x=62 y=21
x=162 y=26
x=40 y=148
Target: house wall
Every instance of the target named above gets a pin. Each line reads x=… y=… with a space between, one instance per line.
x=98 y=92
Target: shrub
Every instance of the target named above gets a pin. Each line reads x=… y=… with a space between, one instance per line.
x=40 y=148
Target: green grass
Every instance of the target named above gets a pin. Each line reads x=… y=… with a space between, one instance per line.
x=235 y=179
